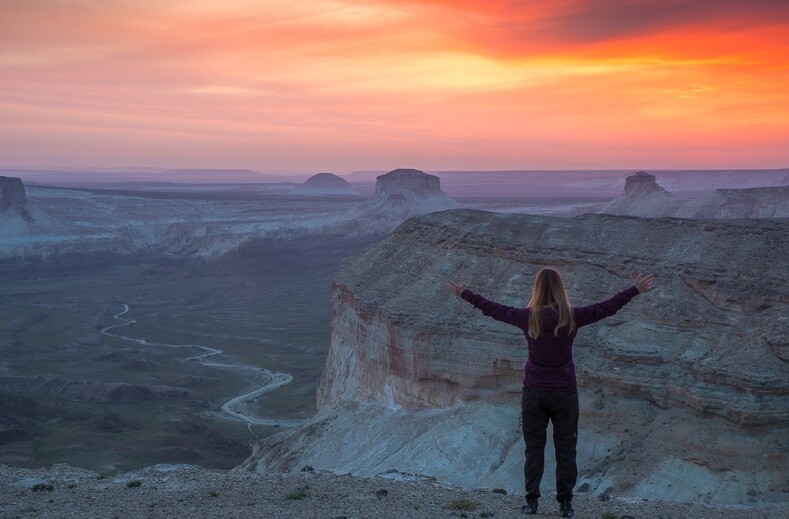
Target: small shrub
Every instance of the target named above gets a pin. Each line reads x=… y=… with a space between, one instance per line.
x=463 y=515
x=486 y=514
x=609 y=515
x=213 y=493
x=134 y=483
x=41 y=487
x=72 y=485
x=463 y=504
x=299 y=493
x=381 y=493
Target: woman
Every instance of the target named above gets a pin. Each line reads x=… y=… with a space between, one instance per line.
x=549 y=388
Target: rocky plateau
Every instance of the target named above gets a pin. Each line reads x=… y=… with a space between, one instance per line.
x=683 y=392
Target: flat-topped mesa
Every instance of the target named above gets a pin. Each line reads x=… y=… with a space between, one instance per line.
x=642 y=183
x=325 y=184
x=404 y=180
x=399 y=195
x=12 y=193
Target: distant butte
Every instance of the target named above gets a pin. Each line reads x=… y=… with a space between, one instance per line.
x=642 y=183
x=325 y=184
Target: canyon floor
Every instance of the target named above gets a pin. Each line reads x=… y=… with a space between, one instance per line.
x=187 y=492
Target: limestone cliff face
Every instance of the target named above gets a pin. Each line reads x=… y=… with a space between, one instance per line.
x=685 y=385
x=710 y=338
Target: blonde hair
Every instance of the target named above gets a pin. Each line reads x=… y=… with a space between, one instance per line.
x=549 y=292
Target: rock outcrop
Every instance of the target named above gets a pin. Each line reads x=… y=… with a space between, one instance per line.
x=12 y=194
x=684 y=392
x=325 y=184
x=399 y=195
x=17 y=216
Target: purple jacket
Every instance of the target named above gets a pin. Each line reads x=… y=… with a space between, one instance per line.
x=550 y=363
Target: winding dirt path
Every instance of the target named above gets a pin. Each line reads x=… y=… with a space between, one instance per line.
x=230 y=410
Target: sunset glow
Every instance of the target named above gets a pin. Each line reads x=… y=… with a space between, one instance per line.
x=343 y=85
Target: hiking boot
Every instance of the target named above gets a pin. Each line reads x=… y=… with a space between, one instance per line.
x=566 y=509
x=530 y=508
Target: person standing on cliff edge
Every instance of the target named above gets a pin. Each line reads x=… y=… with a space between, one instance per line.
x=549 y=387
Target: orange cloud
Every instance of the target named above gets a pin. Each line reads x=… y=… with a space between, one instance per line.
x=351 y=84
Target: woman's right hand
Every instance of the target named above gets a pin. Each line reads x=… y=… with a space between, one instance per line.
x=644 y=282
x=457 y=288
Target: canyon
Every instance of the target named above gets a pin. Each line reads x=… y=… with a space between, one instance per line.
x=683 y=392
x=414 y=380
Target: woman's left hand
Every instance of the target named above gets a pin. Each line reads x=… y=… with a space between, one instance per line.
x=643 y=282
x=457 y=288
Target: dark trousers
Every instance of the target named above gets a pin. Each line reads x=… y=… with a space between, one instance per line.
x=561 y=408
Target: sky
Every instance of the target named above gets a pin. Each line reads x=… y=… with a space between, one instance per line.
x=283 y=86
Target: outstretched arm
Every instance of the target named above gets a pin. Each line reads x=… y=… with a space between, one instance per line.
x=507 y=314
x=591 y=314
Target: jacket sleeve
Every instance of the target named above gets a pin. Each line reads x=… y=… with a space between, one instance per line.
x=591 y=314
x=507 y=314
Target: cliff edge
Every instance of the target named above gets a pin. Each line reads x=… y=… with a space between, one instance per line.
x=684 y=392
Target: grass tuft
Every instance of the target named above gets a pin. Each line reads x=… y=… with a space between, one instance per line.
x=463 y=504
x=298 y=494
x=134 y=483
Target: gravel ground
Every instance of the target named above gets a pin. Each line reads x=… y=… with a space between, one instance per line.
x=191 y=492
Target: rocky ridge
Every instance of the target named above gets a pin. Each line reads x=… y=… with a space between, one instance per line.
x=643 y=196
x=755 y=202
x=683 y=392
